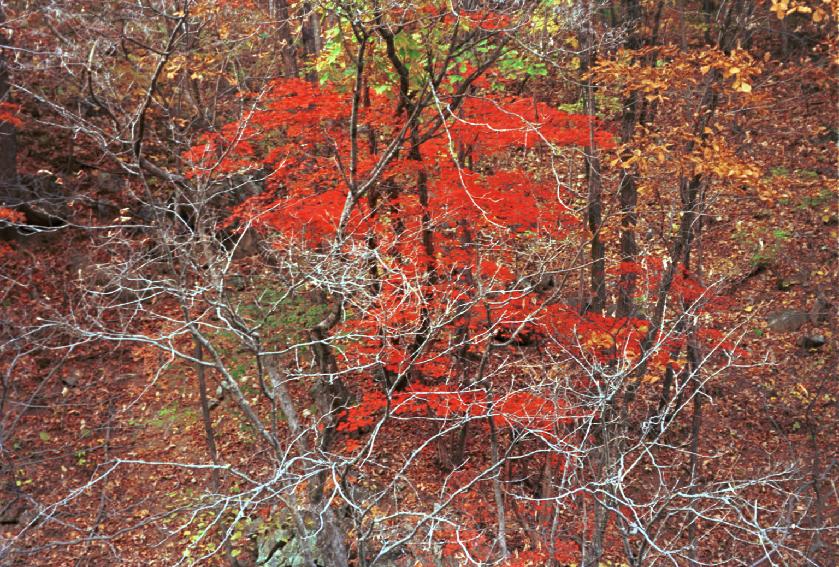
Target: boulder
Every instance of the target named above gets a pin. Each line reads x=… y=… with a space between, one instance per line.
x=786 y=320
x=281 y=548
x=821 y=311
x=11 y=510
x=813 y=341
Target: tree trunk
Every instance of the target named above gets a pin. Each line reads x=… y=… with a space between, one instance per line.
x=594 y=209
x=311 y=40
x=8 y=134
x=209 y=433
x=330 y=397
x=500 y=510
x=628 y=201
x=285 y=40
x=628 y=186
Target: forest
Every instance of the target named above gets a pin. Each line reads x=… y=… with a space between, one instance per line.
x=408 y=283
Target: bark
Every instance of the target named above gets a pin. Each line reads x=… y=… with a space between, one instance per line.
x=500 y=510
x=594 y=216
x=601 y=461
x=628 y=192
x=330 y=397
x=8 y=133
x=594 y=209
x=635 y=112
x=209 y=434
x=285 y=40
x=311 y=39
x=708 y=15
x=628 y=245
x=694 y=366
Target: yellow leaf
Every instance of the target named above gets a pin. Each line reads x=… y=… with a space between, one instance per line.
x=650 y=379
x=745 y=88
x=748 y=308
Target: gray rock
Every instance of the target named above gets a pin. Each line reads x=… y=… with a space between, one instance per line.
x=12 y=510
x=785 y=284
x=821 y=311
x=281 y=548
x=235 y=282
x=813 y=341
x=272 y=544
x=786 y=320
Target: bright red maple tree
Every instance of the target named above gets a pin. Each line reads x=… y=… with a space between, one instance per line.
x=450 y=258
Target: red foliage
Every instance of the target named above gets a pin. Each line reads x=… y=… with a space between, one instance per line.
x=12 y=215
x=298 y=133
x=9 y=112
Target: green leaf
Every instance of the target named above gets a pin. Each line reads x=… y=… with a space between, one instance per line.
x=44 y=436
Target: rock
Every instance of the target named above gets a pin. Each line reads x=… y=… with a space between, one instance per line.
x=785 y=285
x=12 y=510
x=812 y=341
x=108 y=183
x=42 y=197
x=786 y=320
x=241 y=245
x=281 y=548
x=235 y=282
x=269 y=545
x=820 y=313
x=69 y=381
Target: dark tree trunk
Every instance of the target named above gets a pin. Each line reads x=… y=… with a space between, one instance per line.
x=8 y=135
x=285 y=40
x=311 y=40
x=708 y=15
x=594 y=209
x=628 y=187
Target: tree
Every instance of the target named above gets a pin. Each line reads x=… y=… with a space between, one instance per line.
x=8 y=143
